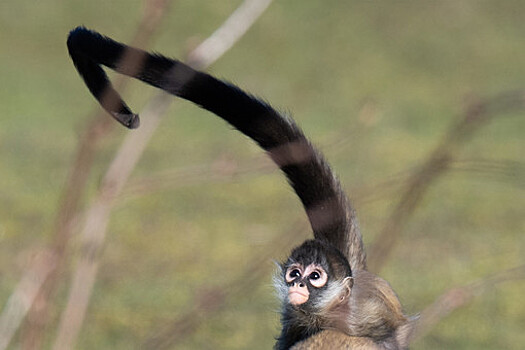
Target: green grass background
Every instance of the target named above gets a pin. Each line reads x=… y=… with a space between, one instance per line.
x=414 y=62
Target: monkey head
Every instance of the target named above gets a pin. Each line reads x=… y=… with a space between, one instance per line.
x=314 y=276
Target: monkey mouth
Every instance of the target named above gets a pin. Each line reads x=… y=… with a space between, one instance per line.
x=297 y=298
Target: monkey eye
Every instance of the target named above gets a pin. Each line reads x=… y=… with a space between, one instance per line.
x=295 y=273
x=315 y=275
x=292 y=274
x=318 y=278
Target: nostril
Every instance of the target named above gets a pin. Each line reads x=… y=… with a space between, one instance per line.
x=301 y=284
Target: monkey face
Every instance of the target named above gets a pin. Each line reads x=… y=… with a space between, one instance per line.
x=301 y=279
x=313 y=276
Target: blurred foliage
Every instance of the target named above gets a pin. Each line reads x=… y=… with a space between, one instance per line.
x=386 y=77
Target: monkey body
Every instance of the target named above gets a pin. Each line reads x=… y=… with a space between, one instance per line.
x=329 y=300
x=363 y=310
x=331 y=340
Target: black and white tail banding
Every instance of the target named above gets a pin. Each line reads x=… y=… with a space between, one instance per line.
x=328 y=209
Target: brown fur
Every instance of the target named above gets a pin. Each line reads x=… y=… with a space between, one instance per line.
x=373 y=299
x=362 y=313
x=334 y=340
x=355 y=309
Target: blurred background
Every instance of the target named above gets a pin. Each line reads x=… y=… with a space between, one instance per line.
x=419 y=107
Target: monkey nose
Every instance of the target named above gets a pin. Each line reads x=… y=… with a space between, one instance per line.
x=298 y=293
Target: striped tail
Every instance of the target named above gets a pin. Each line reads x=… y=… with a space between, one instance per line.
x=328 y=208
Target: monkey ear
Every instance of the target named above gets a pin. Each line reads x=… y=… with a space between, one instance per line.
x=348 y=283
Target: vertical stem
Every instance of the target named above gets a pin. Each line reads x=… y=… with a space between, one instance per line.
x=94 y=229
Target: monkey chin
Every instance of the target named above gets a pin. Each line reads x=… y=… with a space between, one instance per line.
x=296 y=297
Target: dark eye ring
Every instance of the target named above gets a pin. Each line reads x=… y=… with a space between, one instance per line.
x=315 y=275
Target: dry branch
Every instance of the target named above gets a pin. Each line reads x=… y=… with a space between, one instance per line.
x=222 y=169
x=176 y=331
x=460 y=296
x=94 y=228
x=24 y=295
x=218 y=171
x=46 y=281
x=507 y=171
x=477 y=114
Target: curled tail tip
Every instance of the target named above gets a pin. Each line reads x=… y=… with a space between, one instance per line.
x=75 y=36
x=79 y=28
x=76 y=32
x=78 y=35
x=129 y=120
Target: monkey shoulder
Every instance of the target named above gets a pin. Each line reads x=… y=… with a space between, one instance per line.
x=334 y=340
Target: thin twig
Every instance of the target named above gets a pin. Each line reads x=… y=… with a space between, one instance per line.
x=46 y=281
x=505 y=171
x=219 y=171
x=477 y=114
x=94 y=229
x=185 y=325
x=22 y=298
x=460 y=296
x=222 y=169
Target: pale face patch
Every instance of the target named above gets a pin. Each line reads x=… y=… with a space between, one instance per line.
x=315 y=274
x=298 y=294
x=297 y=277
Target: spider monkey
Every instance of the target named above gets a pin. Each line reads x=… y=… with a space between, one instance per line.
x=329 y=300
